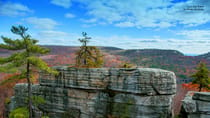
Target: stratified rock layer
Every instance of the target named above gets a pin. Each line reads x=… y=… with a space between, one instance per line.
x=196 y=105
x=103 y=92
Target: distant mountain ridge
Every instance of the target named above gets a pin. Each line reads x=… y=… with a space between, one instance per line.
x=63 y=49
x=172 y=60
x=205 y=56
x=53 y=49
x=150 y=52
x=56 y=49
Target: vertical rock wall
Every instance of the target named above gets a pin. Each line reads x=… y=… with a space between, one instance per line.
x=103 y=92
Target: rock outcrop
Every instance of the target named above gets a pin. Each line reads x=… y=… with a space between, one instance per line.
x=196 y=105
x=103 y=92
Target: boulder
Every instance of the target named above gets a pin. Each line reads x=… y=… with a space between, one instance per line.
x=196 y=105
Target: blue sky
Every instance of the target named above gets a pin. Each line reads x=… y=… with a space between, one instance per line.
x=182 y=25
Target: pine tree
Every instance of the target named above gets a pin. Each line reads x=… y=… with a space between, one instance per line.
x=24 y=59
x=88 y=56
x=201 y=76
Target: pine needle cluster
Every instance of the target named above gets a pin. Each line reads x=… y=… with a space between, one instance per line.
x=26 y=51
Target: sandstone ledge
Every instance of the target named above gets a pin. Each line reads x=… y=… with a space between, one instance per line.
x=196 y=105
x=137 y=81
x=103 y=92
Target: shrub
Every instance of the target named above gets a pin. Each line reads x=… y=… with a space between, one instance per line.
x=7 y=101
x=21 y=112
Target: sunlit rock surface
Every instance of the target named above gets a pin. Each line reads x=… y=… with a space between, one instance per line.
x=196 y=105
x=103 y=92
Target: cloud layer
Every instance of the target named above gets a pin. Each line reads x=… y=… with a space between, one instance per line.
x=148 y=13
x=62 y=3
x=196 y=34
x=126 y=42
x=181 y=18
x=42 y=23
x=13 y=9
x=69 y=15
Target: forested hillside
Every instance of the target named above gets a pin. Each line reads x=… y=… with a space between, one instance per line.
x=171 y=60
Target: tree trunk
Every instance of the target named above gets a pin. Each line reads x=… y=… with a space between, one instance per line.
x=29 y=90
x=200 y=88
x=85 y=59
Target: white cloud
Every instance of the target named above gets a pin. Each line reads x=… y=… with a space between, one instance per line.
x=53 y=37
x=62 y=3
x=88 y=25
x=42 y=23
x=196 y=34
x=51 y=34
x=149 y=13
x=92 y=20
x=125 y=24
x=69 y=15
x=13 y=9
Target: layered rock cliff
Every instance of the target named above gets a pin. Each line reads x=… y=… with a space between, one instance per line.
x=196 y=105
x=103 y=92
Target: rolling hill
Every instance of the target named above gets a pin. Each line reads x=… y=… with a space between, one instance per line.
x=205 y=56
x=171 y=60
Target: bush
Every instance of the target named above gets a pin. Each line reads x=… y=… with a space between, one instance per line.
x=126 y=65
x=7 y=101
x=21 y=112
x=45 y=116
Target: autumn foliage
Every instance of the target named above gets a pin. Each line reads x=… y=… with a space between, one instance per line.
x=194 y=87
x=7 y=91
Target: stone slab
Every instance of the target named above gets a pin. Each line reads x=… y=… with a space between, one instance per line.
x=203 y=96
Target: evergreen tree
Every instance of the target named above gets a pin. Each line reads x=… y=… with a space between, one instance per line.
x=88 y=56
x=201 y=76
x=24 y=59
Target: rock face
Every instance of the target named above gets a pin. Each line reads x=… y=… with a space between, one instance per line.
x=103 y=92
x=196 y=105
